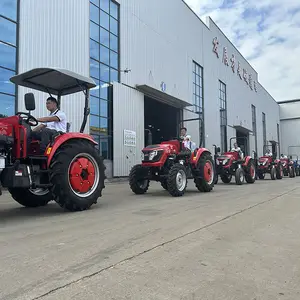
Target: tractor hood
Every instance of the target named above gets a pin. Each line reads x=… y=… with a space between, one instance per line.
x=153 y=153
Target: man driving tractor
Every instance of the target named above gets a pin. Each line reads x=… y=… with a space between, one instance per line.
x=236 y=148
x=55 y=122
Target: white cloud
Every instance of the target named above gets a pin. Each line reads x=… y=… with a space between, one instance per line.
x=267 y=33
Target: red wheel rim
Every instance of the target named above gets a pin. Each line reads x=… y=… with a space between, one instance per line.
x=208 y=172
x=82 y=175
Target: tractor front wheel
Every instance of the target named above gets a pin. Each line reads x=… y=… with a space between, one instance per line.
x=251 y=173
x=31 y=198
x=273 y=173
x=226 y=178
x=239 y=176
x=177 y=180
x=137 y=182
x=279 y=171
x=77 y=175
x=207 y=174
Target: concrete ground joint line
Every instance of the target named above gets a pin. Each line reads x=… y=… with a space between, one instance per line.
x=162 y=244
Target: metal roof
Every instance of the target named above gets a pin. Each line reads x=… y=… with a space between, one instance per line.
x=54 y=81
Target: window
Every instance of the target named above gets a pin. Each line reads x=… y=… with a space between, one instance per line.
x=223 y=115
x=198 y=98
x=104 y=69
x=8 y=55
x=264 y=130
x=198 y=88
x=254 y=128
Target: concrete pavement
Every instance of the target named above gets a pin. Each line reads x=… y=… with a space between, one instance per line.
x=238 y=242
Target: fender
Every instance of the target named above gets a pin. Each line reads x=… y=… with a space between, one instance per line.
x=50 y=151
x=200 y=152
x=248 y=158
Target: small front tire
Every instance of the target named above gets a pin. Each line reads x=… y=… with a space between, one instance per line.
x=205 y=167
x=273 y=173
x=31 y=198
x=137 y=182
x=239 y=176
x=177 y=180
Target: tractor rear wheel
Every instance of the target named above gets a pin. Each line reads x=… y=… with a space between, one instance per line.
x=273 y=173
x=77 y=175
x=206 y=181
x=138 y=184
x=177 y=180
x=226 y=178
x=250 y=176
x=31 y=198
x=279 y=171
x=239 y=176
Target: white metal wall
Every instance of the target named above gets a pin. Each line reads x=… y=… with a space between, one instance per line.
x=157 y=50
x=128 y=111
x=290 y=126
x=55 y=34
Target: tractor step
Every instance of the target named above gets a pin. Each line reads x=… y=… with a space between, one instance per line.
x=38 y=157
x=41 y=185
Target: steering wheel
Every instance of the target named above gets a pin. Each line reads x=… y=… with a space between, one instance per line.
x=30 y=120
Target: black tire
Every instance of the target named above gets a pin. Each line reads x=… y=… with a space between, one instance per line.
x=164 y=184
x=261 y=175
x=216 y=178
x=239 y=176
x=273 y=173
x=279 y=171
x=66 y=157
x=138 y=184
x=173 y=187
x=226 y=178
x=291 y=172
x=30 y=199
x=250 y=176
x=206 y=181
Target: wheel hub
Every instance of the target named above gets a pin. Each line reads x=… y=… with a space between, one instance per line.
x=208 y=172
x=180 y=180
x=82 y=175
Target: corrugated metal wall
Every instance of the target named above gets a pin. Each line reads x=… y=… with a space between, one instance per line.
x=55 y=33
x=128 y=112
x=157 y=50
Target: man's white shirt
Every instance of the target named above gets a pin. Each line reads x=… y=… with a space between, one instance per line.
x=61 y=125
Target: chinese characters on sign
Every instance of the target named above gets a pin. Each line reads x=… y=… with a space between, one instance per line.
x=129 y=138
x=242 y=73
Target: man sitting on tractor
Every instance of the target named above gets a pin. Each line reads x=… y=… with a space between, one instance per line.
x=55 y=122
x=189 y=144
x=269 y=153
x=236 y=148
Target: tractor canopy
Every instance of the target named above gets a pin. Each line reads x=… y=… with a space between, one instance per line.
x=53 y=81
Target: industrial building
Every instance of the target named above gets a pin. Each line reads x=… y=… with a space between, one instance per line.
x=290 y=126
x=155 y=63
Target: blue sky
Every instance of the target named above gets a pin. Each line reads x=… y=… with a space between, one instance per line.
x=267 y=33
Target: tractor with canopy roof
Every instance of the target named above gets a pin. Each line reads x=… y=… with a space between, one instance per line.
x=70 y=171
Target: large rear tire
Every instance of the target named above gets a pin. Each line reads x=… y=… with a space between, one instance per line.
x=31 y=198
x=206 y=181
x=250 y=176
x=177 y=180
x=77 y=175
x=138 y=184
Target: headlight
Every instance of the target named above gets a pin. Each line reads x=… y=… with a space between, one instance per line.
x=264 y=162
x=152 y=154
x=225 y=161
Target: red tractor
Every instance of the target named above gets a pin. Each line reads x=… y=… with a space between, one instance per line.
x=172 y=165
x=268 y=164
x=70 y=171
x=231 y=163
x=288 y=167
